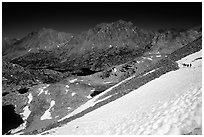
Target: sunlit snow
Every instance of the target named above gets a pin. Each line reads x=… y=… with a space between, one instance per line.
x=73 y=93
x=41 y=90
x=73 y=80
x=25 y=113
x=171 y=104
x=47 y=114
x=30 y=97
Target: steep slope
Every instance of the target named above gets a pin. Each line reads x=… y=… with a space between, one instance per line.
x=51 y=84
x=87 y=105
x=155 y=108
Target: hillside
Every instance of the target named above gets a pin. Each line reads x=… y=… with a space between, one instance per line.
x=84 y=104
x=53 y=78
x=156 y=108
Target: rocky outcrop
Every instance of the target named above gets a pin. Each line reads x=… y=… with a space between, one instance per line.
x=16 y=78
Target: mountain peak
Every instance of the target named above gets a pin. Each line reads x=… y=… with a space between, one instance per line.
x=122 y=22
x=49 y=30
x=119 y=23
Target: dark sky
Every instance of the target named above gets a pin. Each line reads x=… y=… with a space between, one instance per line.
x=19 y=19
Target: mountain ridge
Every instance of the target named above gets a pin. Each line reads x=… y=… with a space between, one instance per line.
x=118 y=38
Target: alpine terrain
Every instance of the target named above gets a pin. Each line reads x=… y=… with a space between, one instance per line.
x=115 y=78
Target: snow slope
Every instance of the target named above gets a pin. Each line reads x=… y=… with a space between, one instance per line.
x=94 y=101
x=171 y=104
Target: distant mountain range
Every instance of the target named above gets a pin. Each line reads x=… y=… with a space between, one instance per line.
x=65 y=52
x=70 y=69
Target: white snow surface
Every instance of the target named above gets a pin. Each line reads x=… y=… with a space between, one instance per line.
x=30 y=98
x=41 y=90
x=94 y=101
x=191 y=60
x=73 y=93
x=47 y=114
x=21 y=127
x=72 y=81
x=26 y=112
x=171 y=104
x=150 y=71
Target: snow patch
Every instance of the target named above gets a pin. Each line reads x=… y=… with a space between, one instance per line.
x=46 y=91
x=73 y=93
x=41 y=90
x=67 y=86
x=25 y=113
x=73 y=80
x=47 y=114
x=30 y=98
x=66 y=91
x=21 y=127
x=115 y=70
x=89 y=97
x=107 y=82
x=149 y=58
x=93 y=101
x=150 y=72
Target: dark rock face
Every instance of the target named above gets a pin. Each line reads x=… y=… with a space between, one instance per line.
x=23 y=90
x=10 y=119
x=72 y=69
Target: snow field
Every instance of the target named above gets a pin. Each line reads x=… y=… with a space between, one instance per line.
x=94 y=101
x=171 y=104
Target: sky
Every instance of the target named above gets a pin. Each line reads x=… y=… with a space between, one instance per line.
x=21 y=18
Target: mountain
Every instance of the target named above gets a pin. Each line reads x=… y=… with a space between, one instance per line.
x=87 y=50
x=71 y=98
x=45 y=39
x=105 y=45
x=53 y=78
x=6 y=43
